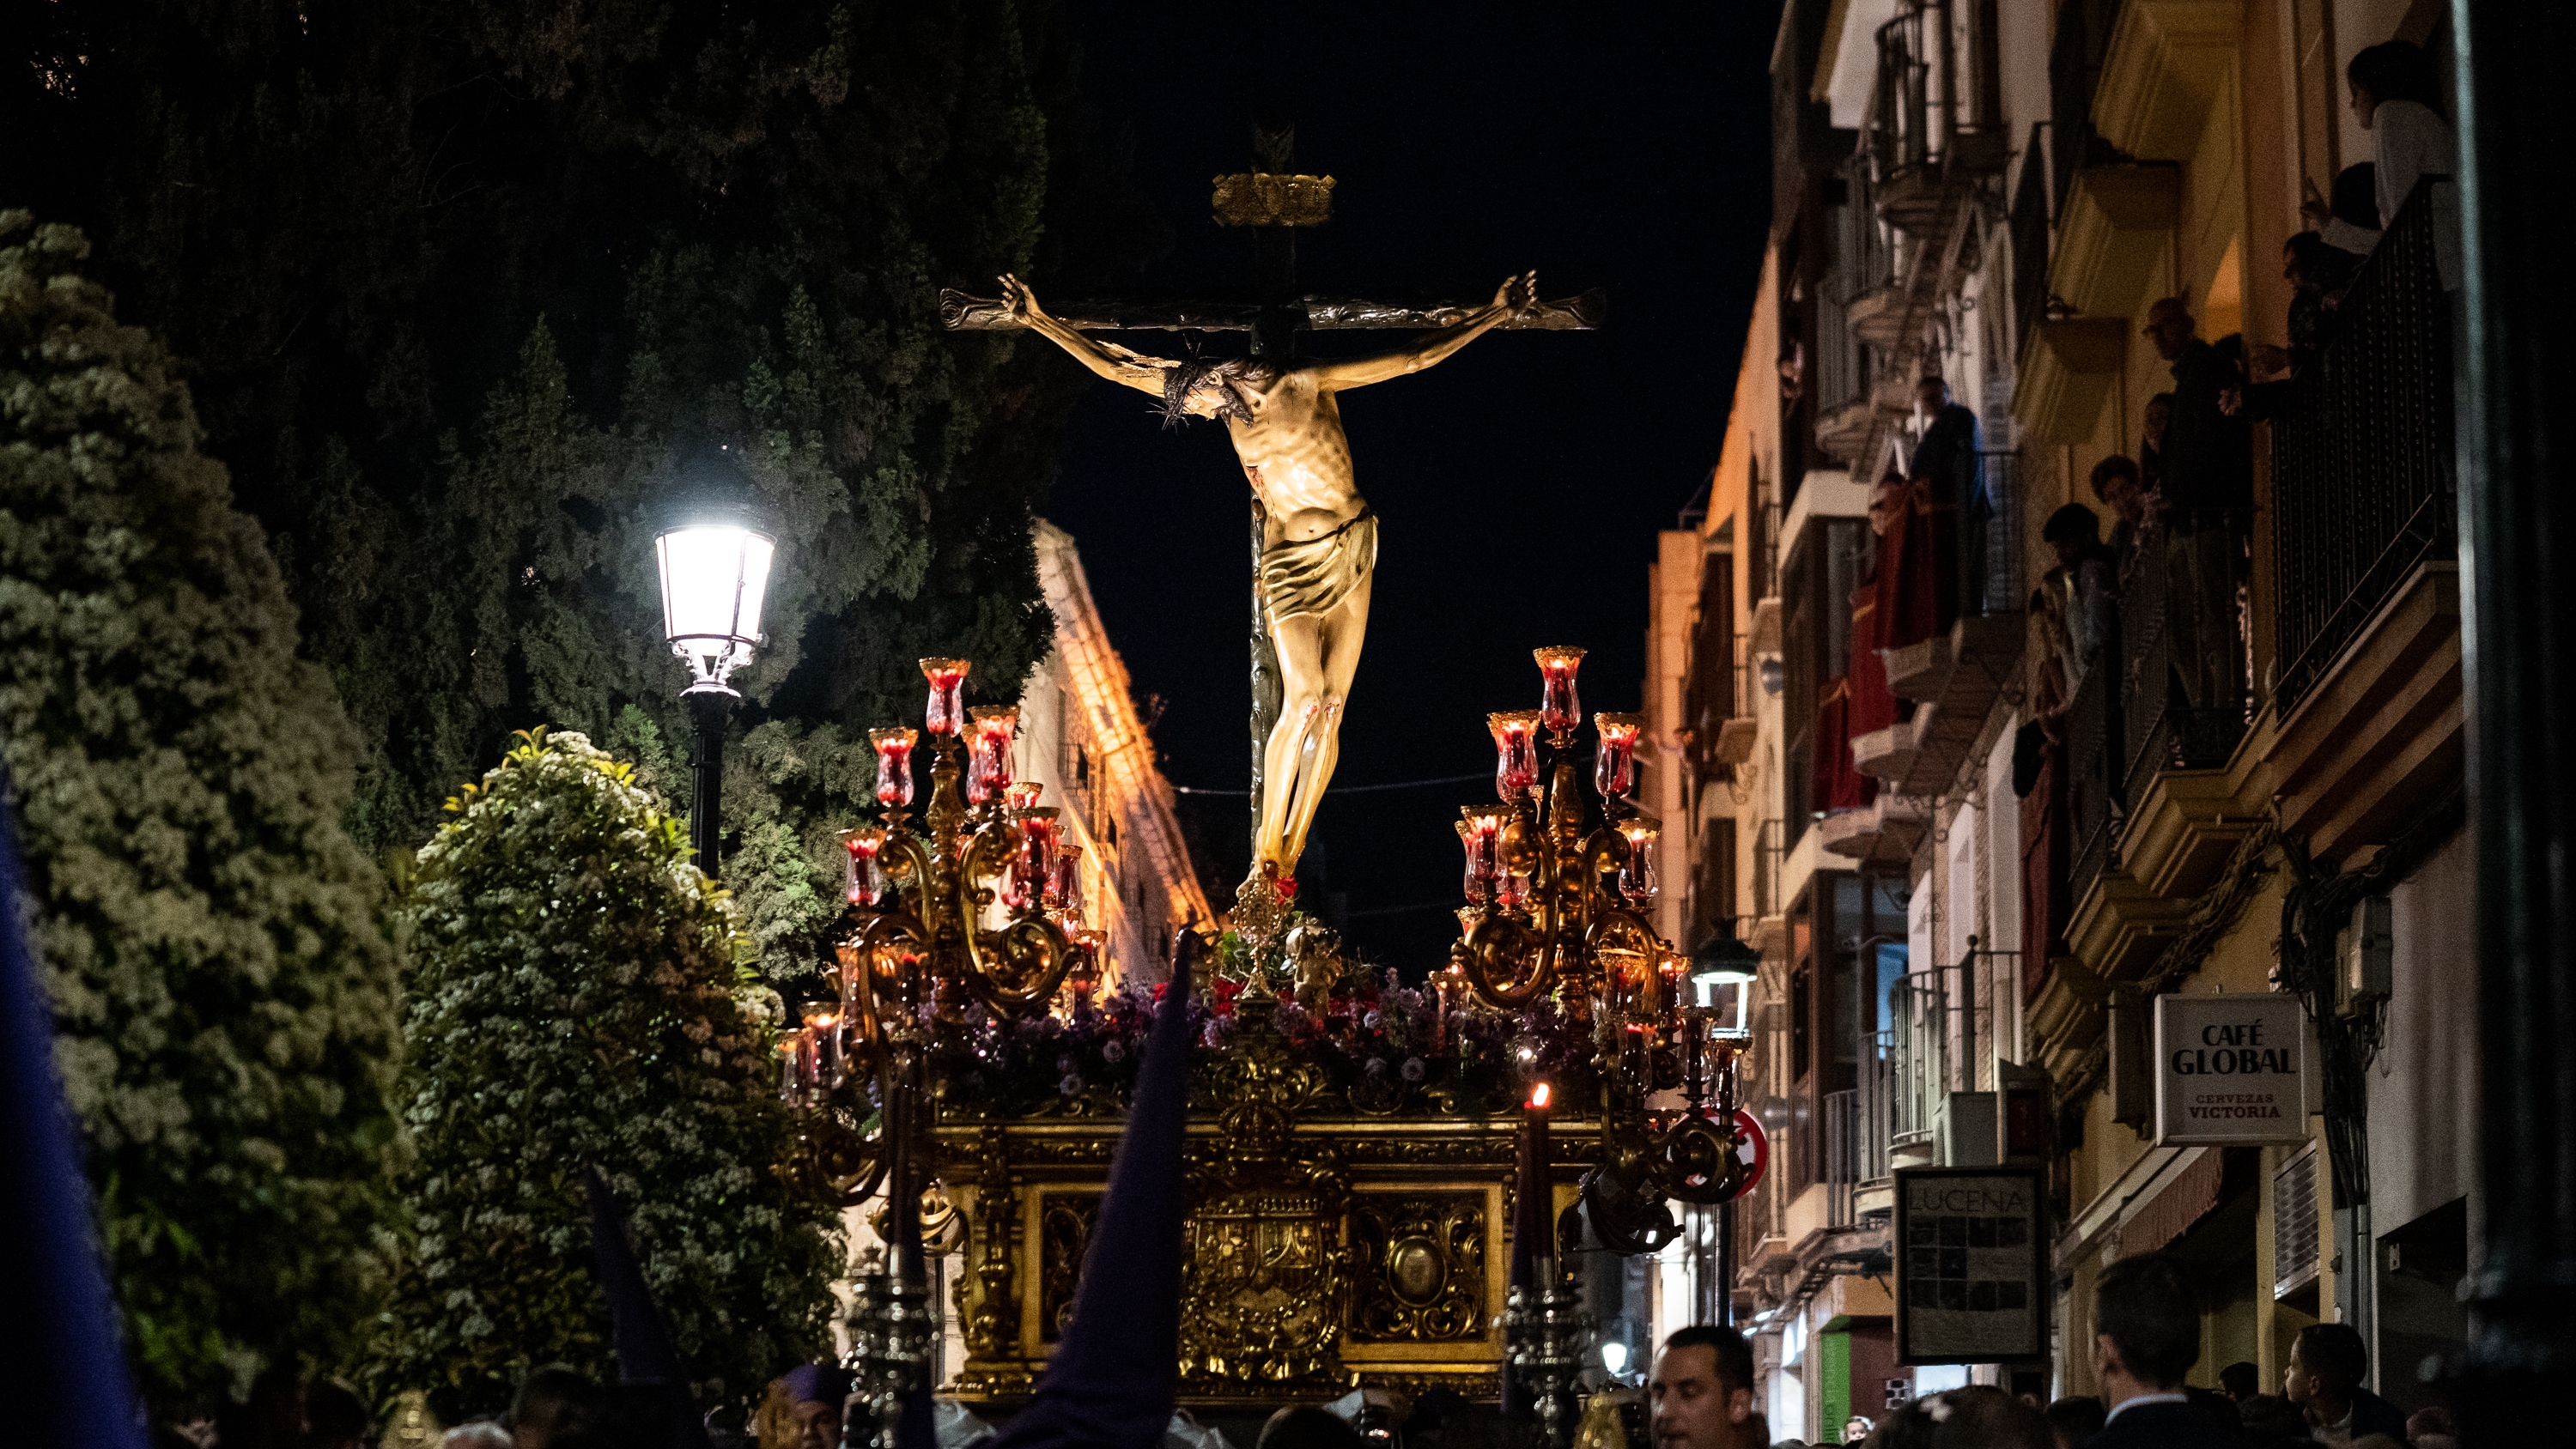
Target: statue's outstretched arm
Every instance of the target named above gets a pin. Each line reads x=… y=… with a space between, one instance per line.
x=1118 y=364
x=1510 y=298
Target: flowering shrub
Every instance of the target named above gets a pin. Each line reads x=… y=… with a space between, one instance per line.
x=576 y=999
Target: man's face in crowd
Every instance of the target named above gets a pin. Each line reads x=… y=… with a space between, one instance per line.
x=1691 y=1407
x=818 y=1426
x=2170 y=327
x=1930 y=396
x=2299 y=1382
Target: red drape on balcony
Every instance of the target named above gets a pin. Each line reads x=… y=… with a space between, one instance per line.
x=2044 y=832
x=1917 y=580
x=1839 y=786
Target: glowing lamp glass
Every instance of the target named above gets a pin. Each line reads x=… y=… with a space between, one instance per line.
x=715 y=577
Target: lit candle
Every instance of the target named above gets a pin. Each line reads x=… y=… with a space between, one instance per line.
x=1559 y=709
x=1614 y=764
x=1515 y=751
x=894 y=765
x=947 y=677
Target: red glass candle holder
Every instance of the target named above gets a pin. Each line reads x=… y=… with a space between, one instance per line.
x=823 y=1057
x=1637 y=875
x=1024 y=794
x=988 y=762
x=1673 y=973
x=1064 y=891
x=1515 y=734
x=1559 y=708
x=894 y=764
x=946 y=714
x=791 y=1067
x=1480 y=829
x=865 y=883
x=1033 y=865
x=1614 y=764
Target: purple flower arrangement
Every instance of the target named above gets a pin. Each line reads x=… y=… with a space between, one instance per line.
x=1374 y=1041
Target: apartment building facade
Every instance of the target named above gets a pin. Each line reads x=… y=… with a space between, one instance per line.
x=1977 y=843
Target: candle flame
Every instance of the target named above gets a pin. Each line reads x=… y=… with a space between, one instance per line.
x=1539 y=1096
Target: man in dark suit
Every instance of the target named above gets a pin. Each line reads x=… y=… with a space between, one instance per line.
x=2146 y=1336
x=2328 y=1362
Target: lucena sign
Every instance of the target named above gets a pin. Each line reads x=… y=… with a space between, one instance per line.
x=2231 y=1069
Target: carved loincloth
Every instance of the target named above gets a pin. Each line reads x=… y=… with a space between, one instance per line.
x=1315 y=576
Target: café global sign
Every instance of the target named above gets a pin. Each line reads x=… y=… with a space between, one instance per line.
x=2230 y=1069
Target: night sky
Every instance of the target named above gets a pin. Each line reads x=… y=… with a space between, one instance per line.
x=1519 y=484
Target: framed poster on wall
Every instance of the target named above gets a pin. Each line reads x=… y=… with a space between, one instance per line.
x=1971 y=1250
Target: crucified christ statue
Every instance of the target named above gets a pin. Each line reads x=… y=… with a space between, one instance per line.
x=1318 y=537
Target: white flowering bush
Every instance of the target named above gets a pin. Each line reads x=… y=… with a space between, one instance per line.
x=576 y=998
x=222 y=980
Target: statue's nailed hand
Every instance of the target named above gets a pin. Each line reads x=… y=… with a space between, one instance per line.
x=1516 y=294
x=1018 y=300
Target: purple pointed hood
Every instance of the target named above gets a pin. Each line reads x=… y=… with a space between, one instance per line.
x=1116 y=1371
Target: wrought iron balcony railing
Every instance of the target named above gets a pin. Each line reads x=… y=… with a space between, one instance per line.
x=2183 y=665
x=2361 y=458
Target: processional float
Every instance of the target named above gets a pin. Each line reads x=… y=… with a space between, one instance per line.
x=1347 y=1213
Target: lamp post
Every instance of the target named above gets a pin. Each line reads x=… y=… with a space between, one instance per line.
x=714 y=558
x=1723 y=960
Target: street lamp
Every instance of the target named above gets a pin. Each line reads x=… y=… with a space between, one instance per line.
x=714 y=559
x=1724 y=960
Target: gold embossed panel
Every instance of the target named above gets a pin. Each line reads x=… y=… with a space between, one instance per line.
x=1419 y=1266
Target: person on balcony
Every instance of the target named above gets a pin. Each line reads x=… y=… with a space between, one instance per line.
x=2318 y=274
x=2208 y=492
x=2151 y=441
x=2089 y=579
x=2349 y=221
x=1947 y=484
x=2117 y=482
x=2393 y=93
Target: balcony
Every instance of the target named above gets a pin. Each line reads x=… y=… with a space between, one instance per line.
x=1858 y=1132
x=1929 y=141
x=2365 y=579
x=1884 y=831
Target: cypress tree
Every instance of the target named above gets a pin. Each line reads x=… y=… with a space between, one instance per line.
x=223 y=983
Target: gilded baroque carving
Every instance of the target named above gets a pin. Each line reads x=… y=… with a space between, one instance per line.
x=1262 y=1298
x=1064 y=1232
